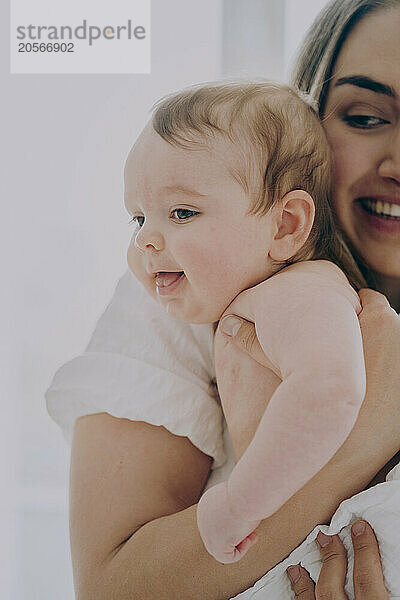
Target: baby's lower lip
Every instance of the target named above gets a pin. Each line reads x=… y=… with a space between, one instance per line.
x=166 y=283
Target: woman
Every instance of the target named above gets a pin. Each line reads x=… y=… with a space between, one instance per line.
x=134 y=485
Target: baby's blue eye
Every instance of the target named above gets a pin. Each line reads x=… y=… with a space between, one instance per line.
x=138 y=221
x=181 y=214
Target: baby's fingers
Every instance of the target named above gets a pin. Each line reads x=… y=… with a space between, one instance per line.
x=247 y=543
x=239 y=551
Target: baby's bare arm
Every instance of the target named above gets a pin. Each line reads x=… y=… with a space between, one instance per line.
x=308 y=326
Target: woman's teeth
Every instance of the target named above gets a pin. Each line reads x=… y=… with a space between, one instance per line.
x=383 y=209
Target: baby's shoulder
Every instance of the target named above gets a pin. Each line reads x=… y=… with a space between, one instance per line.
x=311 y=278
x=299 y=286
x=315 y=268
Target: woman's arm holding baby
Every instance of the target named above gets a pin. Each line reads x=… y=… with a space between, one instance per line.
x=126 y=474
x=121 y=476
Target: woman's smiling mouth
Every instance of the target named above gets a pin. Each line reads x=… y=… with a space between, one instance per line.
x=381 y=208
x=380 y=213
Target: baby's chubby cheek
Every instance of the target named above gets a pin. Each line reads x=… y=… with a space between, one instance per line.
x=214 y=275
x=214 y=279
x=213 y=260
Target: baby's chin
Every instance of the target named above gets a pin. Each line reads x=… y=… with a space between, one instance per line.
x=194 y=315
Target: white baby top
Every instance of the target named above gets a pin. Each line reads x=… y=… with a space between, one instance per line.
x=142 y=365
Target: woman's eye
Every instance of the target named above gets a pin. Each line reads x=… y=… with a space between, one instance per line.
x=364 y=121
x=139 y=221
x=181 y=214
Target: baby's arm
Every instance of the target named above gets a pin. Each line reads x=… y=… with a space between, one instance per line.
x=307 y=324
x=306 y=321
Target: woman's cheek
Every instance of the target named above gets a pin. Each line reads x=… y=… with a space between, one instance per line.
x=350 y=167
x=352 y=152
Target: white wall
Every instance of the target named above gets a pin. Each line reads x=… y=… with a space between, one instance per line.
x=298 y=17
x=67 y=139
x=261 y=37
x=253 y=34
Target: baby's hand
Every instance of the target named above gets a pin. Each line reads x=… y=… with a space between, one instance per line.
x=225 y=536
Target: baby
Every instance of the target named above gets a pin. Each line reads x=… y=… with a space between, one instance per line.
x=228 y=187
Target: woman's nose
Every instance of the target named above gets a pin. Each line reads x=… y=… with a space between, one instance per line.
x=149 y=239
x=389 y=167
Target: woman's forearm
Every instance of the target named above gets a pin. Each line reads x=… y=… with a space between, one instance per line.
x=166 y=558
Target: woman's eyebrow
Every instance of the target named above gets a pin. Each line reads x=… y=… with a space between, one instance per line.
x=367 y=83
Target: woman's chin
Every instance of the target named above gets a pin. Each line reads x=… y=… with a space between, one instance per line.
x=383 y=264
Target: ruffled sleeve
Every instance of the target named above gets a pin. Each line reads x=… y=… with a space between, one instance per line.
x=142 y=365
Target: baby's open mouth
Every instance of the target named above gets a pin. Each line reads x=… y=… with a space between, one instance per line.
x=165 y=278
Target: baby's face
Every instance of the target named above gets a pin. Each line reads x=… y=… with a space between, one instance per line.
x=193 y=247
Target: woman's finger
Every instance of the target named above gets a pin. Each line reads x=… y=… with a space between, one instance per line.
x=372 y=298
x=243 y=335
x=332 y=577
x=301 y=582
x=367 y=574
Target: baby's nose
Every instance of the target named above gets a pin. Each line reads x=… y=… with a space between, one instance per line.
x=147 y=239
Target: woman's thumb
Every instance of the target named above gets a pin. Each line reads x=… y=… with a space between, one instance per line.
x=230 y=325
x=243 y=335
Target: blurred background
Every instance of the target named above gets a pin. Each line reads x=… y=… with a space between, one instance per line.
x=66 y=140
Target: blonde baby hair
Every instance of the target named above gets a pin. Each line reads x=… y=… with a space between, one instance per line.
x=280 y=146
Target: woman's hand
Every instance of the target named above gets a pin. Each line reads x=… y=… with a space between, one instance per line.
x=367 y=573
x=244 y=337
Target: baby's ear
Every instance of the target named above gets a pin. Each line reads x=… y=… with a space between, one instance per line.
x=294 y=218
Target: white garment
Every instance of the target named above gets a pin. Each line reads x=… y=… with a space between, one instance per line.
x=142 y=365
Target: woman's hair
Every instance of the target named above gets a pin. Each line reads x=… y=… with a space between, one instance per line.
x=278 y=145
x=316 y=61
